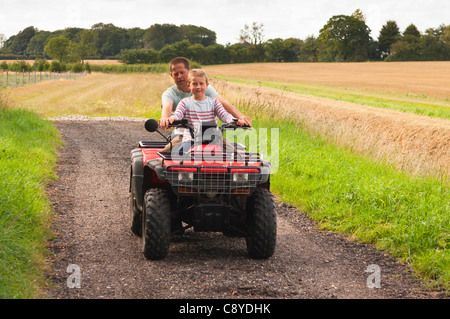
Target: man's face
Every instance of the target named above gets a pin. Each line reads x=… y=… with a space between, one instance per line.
x=180 y=76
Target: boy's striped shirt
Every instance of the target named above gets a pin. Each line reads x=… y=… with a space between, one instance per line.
x=201 y=111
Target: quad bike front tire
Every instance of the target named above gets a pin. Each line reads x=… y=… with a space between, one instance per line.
x=135 y=214
x=261 y=224
x=156 y=220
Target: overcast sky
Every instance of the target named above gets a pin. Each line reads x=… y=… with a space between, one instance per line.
x=281 y=18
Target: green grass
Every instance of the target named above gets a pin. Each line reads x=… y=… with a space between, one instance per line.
x=406 y=216
x=27 y=157
x=421 y=105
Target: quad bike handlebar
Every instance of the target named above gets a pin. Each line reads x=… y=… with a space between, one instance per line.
x=152 y=125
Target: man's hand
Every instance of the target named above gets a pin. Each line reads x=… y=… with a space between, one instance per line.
x=244 y=120
x=164 y=122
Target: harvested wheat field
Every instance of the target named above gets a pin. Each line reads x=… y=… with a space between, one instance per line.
x=97 y=94
x=418 y=144
x=428 y=78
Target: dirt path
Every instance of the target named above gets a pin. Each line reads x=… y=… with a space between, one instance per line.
x=91 y=199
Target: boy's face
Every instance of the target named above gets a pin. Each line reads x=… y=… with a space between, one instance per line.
x=198 y=86
x=179 y=75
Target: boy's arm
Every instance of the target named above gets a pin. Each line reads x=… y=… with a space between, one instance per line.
x=179 y=112
x=222 y=113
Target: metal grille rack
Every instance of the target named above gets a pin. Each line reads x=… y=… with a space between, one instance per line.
x=213 y=179
x=217 y=173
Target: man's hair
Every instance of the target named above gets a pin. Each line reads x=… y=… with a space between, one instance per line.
x=179 y=60
x=197 y=72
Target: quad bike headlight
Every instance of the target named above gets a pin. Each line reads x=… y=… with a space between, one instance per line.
x=240 y=177
x=185 y=176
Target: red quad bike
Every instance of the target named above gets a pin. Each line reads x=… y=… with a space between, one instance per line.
x=209 y=188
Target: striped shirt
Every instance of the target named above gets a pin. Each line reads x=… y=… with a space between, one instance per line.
x=200 y=111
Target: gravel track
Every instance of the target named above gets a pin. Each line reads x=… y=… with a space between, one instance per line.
x=91 y=199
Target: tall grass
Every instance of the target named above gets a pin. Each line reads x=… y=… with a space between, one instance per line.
x=131 y=68
x=404 y=215
x=358 y=195
x=27 y=157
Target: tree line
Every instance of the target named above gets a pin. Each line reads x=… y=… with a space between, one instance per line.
x=344 y=38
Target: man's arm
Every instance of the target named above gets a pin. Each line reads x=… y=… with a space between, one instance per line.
x=234 y=111
x=167 y=107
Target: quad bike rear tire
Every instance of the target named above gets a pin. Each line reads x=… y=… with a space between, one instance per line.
x=261 y=224
x=156 y=220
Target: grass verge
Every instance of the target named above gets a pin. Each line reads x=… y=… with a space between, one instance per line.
x=421 y=105
x=27 y=157
x=404 y=215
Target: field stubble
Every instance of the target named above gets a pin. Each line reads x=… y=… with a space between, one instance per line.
x=412 y=78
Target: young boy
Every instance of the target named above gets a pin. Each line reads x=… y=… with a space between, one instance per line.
x=199 y=108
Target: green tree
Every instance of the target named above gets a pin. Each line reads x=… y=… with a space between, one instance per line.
x=134 y=56
x=37 y=44
x=408 y=47
x=135 y=36
x=20 y=42
x=344 y=38
x=197 y=52
x=287 y=50
x=41 y=65
x=274 y=50
x=197 y=35
x=58 y=48
x=309 y=50
x=252 y=37
x=170 y=51
x=159 y=35
x=218 y=54
x=431 y=44
x=116 y=40
x=389 y=34
x=110 y=39
x=411 y=31
x=86 y=47
x=445 y=36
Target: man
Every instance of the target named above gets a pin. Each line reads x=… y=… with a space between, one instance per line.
x=179 y=71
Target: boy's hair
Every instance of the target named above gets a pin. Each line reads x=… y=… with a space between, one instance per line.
x=197 y=72
x=179 y=60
